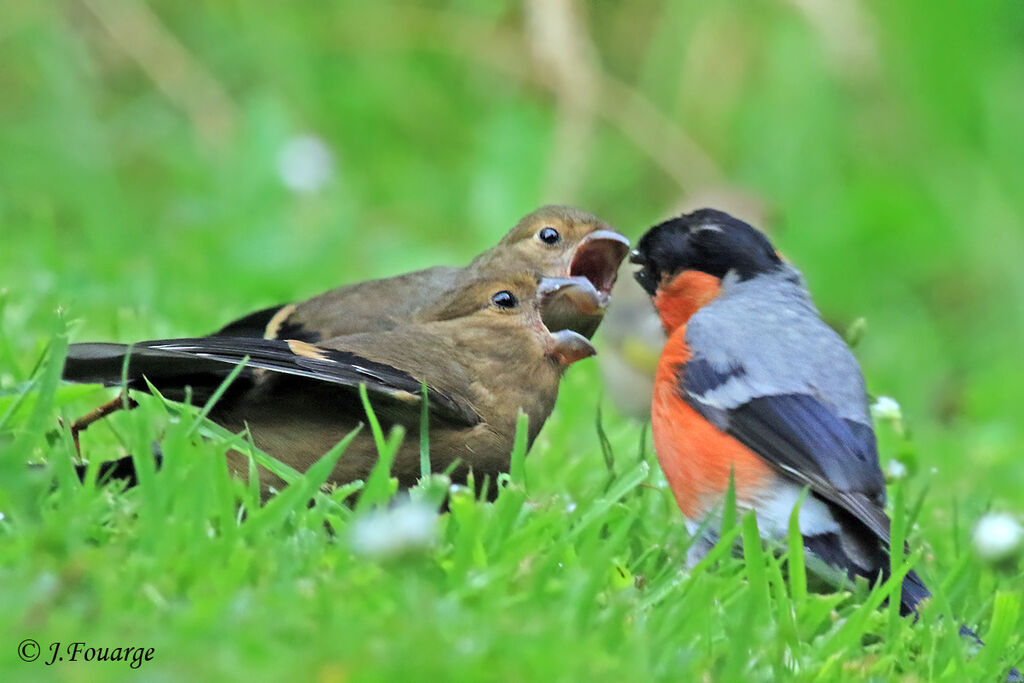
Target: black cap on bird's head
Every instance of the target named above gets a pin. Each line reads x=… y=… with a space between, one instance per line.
x=706 y=240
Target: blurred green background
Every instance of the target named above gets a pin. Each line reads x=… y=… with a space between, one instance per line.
x=167 y=166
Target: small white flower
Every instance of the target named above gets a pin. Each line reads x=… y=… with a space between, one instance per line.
x=458 y=490
x=886 y=408
x=895 y=469
x=407 y=526
x=305 y=164
x=997 y=536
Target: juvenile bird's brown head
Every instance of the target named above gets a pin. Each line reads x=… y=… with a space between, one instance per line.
x=504 y=311
x=561 y=242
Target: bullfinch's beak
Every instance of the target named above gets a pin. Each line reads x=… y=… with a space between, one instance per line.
x=643 y=276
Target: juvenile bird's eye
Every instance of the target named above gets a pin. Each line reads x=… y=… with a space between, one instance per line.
x=549 y=235
x=505 y=299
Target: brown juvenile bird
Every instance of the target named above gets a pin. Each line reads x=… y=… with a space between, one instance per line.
x=482 y=350
x=553 y=241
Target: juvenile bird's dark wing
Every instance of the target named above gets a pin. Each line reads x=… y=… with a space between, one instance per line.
x=767 y=371
x=370 y=306
x=268 y=323
x=202 y=363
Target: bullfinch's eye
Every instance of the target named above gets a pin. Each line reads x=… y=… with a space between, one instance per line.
x=549 y=236
x=505 y=299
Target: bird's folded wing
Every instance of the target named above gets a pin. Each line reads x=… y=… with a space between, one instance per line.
x=251 y=325
x=201 y=358
x=797 y=433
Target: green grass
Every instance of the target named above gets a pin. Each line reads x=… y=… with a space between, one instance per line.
x=888 y=163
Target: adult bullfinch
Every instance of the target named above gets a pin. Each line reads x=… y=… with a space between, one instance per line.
x=632 y=335
x=752 y=381
x=482 y=350
x=553 y=241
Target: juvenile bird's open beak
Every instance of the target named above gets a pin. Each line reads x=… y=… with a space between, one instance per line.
x=571 y=299
x=597 y=258
x=571 y=347
x=576 y=294
x=596 y=263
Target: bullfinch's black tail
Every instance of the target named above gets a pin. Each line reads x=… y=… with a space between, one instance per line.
x=859 y=554
x=857 y=551
x=912 y=593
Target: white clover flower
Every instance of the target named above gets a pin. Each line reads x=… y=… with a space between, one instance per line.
x=997 y=536
x=305 y=164
x=405 y=527
x=895 y=469
x=886 y=408
x=459 y=489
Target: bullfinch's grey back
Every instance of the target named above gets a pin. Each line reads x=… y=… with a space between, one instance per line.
x=763 y=338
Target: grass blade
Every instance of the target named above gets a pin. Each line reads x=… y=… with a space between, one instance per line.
x=379 y=487
x=217 y=394
x=795 y=560
x=297 y=494
x=606 y=446
x=425 y=468
x=517 y=459
x=754 y=557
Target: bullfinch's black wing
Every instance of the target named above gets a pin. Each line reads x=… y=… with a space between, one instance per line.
x=804 y=438
x=787 y=387
x=202 y=364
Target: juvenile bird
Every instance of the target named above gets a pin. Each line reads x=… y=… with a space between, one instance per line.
x=751 y=380
x=482 y=350
x=553 y=241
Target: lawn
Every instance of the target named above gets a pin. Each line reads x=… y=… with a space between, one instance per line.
x=168 y=166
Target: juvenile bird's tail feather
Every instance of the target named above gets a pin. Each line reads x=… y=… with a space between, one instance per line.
x=95 y=363
x=171 y=372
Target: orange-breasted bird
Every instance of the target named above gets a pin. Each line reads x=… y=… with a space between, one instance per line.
x=751 y=380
